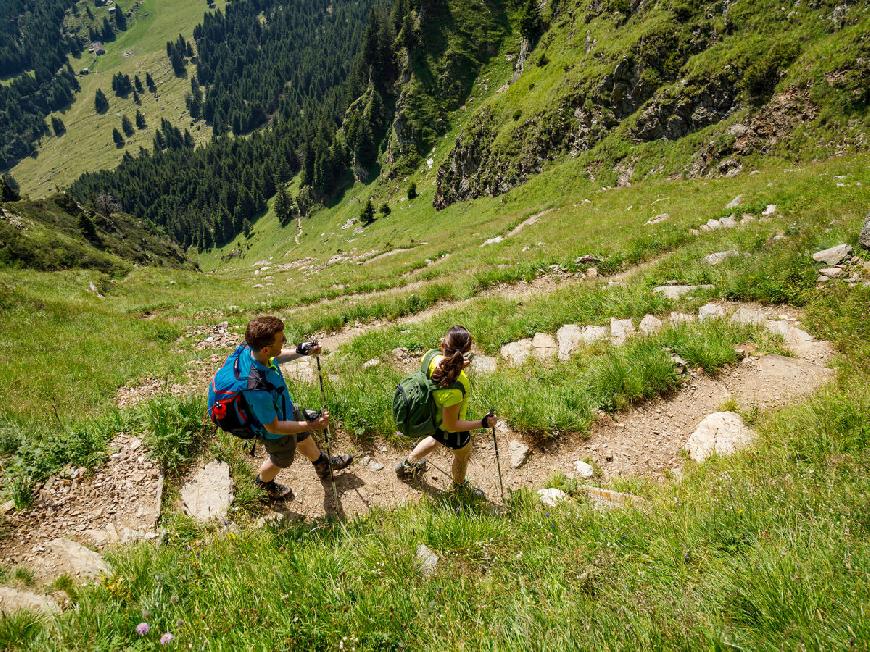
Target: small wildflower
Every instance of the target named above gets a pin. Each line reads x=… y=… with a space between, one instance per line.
x=166 y=639
x=142 y=629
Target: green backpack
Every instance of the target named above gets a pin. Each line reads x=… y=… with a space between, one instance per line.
x=414 y=406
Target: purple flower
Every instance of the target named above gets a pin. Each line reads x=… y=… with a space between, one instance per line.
x=143 y=628
x=166 y=639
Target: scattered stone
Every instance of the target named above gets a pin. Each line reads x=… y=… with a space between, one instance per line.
x=12 y=600
x=370 y=364
x=658 y=219
x=744 y=315
x=519 y=453
x=484 y=364
x=568 y=339
x=681 y=366
x=592 y=272
x=516 y=353
x=864 y=238
x=650 y=325
x=63 y=556
x=734 y=203
x=680 y=318
x=676 y=291
x=544 y=346
x=551 y=497
x=592 y=334
x=831 y=272
x=492 y=241
x=583 y=469
x=371 y=464
x=427 y=560
x=609 y=499
x=8 y=507
x=834 y=255
x=722 y=433
x=209 y=493
x=770 y=210
x=719 y=256
x=620 y=330
x=710 y=311
x=745 y=350
x=747 y=218
x=586 y=259
x=727 y=222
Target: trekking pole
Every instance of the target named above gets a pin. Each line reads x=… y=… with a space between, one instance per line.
x=497 y=460
x=327 y=432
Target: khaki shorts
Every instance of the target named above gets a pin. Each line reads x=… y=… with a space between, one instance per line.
x=283 y=450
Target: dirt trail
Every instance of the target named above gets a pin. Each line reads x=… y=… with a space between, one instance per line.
x=643 y=441
x=508 y=291
x=120 y=501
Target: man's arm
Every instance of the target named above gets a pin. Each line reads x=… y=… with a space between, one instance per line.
x=287 y=355
x=295 y=427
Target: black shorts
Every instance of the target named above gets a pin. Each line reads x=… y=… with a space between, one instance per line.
x=283 y=450
x=453 y=440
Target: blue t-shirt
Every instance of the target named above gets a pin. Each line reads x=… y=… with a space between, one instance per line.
x=266 y=405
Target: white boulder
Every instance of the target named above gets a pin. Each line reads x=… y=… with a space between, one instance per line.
x=722 y=433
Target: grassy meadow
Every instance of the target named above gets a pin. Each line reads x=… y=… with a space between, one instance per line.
x=87 y=144
x=766 y=550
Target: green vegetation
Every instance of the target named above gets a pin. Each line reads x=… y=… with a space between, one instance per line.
x=141 y=50
x=767 y=549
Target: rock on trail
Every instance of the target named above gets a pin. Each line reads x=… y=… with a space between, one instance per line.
x=12 y=600
x=209 y=493
x=722 y=433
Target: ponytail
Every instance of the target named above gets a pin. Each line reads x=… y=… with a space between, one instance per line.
x=454 y=346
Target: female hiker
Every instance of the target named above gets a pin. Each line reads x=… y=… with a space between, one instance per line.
x=447 y=370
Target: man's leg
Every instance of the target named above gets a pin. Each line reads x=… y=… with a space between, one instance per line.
x=268 y=470
x=308 y=447
x=460 y=463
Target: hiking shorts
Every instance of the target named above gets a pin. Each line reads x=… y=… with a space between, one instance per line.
x=453 y=440
x=282 y=450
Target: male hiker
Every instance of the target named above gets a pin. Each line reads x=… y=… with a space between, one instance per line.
x=252 y=379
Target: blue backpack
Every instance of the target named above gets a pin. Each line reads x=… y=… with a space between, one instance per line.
x=227 y=406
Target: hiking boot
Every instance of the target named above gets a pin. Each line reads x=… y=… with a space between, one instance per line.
x=337 y=462
x=274 y=490
x=406 y=469
x=468 y=489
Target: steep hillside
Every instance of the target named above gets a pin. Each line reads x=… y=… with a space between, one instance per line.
x=57 y=233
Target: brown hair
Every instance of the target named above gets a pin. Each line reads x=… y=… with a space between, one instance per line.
x=456 y=343
x=261 y=331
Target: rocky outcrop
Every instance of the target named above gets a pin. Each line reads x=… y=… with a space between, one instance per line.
x=581 y=117
x=686 y=107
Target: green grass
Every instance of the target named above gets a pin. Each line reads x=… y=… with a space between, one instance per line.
x=87 y=144
x=749 y=552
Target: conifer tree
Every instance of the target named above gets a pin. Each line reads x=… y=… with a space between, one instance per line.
x=127 y=126
x=140 y=120
x=100 y=102
x=367 y=216
x=118 y=138
x=58 y=126
x=9 y=188
x=283 y=208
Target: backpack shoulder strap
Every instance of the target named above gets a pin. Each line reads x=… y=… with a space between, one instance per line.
x=427 y=360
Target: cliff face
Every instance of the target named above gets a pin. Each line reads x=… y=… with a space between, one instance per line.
x=618 y=78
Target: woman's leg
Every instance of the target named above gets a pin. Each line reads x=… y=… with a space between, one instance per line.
x=460 y=462
x=423 y=449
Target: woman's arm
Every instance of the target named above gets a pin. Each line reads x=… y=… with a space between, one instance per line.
x=450 y=421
